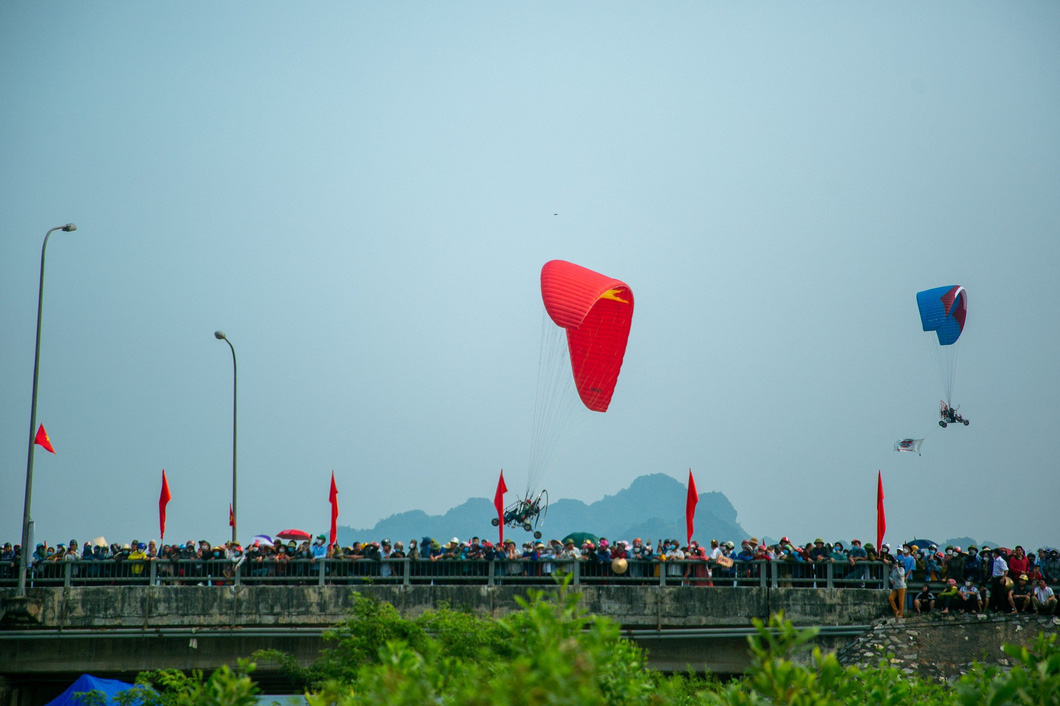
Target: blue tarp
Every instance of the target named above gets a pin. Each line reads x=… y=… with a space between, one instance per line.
x=86 y=683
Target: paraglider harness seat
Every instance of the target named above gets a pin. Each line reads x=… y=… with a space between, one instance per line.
x=526 y=513
x=949 y=416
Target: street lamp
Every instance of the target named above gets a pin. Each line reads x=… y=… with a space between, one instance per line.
x=220 y=335
x=24 y=563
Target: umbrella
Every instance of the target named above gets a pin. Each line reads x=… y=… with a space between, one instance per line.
x=293 y=534
x=262 y=539
x=922 y=543
x=579 y=538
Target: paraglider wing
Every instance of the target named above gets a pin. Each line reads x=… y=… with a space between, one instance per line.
x=943 y=310
x=596 y=312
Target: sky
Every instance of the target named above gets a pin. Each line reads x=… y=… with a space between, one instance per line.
x=361 y=196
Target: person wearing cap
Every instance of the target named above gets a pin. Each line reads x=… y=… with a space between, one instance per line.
x=973 y=565
x=924 y=601
x=1000 y=596
x=564 y=554
x=949 y=597
x=1050 y=567
x=971 y=600
x=546 y=554
x=744 y=558
x=818 y=555
x=885 y=554
x=955 y=564
x=431 y=550
x=319 y=550
x=513 y=558
x=8 y=561
x=385 y=550
x=857 y=557
x=137 y=560
x=896 y=598
x=933 y=566
x=1043 y=599
x=603 y=557
x=674 y=556
x=1021 y=594
x=905 y=555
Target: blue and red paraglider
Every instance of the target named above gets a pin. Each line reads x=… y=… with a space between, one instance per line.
x=943 y=312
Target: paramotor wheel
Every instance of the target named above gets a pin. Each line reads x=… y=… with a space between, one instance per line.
x=942 y=424
x=527 y=526
x=965 y=422
x=537 y=535
x=495 y=521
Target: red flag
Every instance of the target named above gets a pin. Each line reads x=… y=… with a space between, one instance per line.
x=881 y=519
x=333 y=496
x=690 y=505
x=498 y=502
x=42 y=439
x=231 y=516
x=163 y=499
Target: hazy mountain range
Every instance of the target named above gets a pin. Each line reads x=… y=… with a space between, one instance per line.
x=652 y=507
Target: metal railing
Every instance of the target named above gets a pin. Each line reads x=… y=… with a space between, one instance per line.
x=417 y=572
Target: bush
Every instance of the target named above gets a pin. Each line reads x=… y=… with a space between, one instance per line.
x=552 y=652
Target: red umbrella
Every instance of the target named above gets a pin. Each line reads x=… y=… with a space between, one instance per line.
x=293 y=534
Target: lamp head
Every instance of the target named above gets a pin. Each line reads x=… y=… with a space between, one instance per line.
x=69 y=227
x=219 y=335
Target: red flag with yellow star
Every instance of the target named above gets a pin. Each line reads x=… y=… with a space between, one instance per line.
x=42 y=440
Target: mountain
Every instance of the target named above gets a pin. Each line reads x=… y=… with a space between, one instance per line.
x=652 y=507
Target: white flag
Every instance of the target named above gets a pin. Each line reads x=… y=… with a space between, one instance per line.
x=911 y=445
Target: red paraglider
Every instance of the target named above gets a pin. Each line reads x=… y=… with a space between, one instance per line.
x=584 y=330
x=596 y=311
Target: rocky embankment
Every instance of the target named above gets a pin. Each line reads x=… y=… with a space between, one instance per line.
x=943 y=647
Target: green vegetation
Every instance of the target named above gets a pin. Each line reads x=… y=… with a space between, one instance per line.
x=552 y=652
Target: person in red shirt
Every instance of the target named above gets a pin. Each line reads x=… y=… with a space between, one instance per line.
x=1018 y=562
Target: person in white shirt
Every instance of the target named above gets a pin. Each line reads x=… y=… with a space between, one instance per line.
x=997 y=588
x=1043 y=600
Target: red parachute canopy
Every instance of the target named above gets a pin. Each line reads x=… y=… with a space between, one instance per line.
x=596 y=312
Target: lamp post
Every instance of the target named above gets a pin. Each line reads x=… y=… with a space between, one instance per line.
x=220 y=335
x=24 y=562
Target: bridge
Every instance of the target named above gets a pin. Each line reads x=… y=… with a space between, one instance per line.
x=119 y=624
x=54 y=634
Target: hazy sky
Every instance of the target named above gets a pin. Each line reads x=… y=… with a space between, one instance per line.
x=361 y=195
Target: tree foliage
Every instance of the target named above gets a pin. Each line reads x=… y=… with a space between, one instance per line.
x=775 y=678
x=552 y=652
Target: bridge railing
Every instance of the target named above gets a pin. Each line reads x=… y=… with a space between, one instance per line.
x=410 y=572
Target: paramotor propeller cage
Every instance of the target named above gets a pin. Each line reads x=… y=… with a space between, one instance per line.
x=526 y=513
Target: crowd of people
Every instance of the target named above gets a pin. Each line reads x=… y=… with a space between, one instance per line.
x=972 y=579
